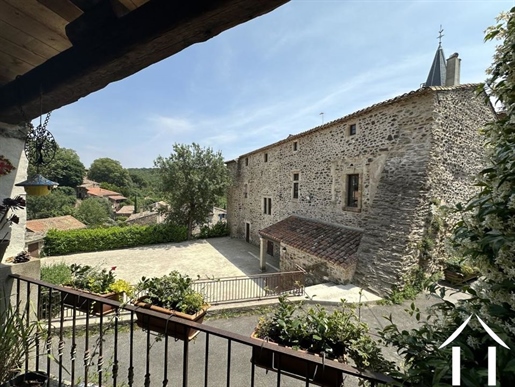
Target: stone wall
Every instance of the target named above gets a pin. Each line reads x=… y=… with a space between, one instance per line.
x=317 y=270
x=408 y=152
x=437 y=164
x=12 y=142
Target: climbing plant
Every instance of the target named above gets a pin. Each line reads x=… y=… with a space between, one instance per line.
x=485 y=234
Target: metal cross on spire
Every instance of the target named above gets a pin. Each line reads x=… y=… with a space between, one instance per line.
x=440 y=35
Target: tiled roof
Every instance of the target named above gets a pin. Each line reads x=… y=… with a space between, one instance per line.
x=125 y=210
x=334 y=243
x=414 y=93
x=97 y=191
x=66 y=222
x=117 y=197
x=141 y=215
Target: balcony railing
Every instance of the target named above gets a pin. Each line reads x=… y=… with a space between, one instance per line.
x=108 y=350
x=253 y=287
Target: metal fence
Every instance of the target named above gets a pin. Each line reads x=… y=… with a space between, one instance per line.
x=106 y=351
x=254 y=287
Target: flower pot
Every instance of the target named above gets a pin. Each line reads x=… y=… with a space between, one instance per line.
x=457 y=278
x=167 y=327
x=28 y=379
x=95 y=308
x=296 y=367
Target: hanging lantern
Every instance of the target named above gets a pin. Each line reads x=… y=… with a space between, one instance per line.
x=37 y=185
x=40 y=148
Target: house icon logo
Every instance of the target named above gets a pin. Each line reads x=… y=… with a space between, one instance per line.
x=456 y=360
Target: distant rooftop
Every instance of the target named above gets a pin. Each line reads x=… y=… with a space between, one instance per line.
x=66 y=222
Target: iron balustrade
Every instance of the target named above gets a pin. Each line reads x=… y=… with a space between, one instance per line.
x=108 y=350
x=253 y=287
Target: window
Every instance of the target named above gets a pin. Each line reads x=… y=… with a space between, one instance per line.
x=352 y=129
x=295 y=192
x=266 y=157
x=353 y=191
x=246 y=191
x=246 y=161
x=267 y=206
x=295 y=146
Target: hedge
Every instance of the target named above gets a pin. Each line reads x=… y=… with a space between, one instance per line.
x=100 y=239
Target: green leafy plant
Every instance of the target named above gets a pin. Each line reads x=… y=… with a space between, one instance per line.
x=17 y=339
x=172 y=291
x=338 y=334
x=98 y=281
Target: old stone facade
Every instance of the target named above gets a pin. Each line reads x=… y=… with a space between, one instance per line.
x=376 y=170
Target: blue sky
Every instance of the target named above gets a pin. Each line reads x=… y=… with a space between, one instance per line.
x=261 y=81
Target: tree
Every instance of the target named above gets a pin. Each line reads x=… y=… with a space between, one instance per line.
x=193 y=179
x=94 y=211
x=485 y=236
x=106 y=170
x=65 y=169
x=61 y=201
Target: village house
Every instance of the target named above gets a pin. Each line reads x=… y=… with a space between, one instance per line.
x=38 y=228
x=352 y=200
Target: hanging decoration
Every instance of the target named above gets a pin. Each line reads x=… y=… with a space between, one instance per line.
x=5 y=166
x=40 y=149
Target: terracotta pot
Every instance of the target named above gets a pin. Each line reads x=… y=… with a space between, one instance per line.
x=166 y=327
x=296 y=367
x=95 y=308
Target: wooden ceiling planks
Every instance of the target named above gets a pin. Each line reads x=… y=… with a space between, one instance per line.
x=39 y=12
x=23 y=22
x=64 y=8
x=108 y=49
x=21 y=53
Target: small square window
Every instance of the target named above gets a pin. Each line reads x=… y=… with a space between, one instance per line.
x=266 y=157
x=295 y=146
x=246 y=161
x=352 y=129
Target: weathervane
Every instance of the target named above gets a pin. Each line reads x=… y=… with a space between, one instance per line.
x=440 y=36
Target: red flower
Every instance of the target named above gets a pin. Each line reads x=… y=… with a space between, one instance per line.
x=113 y=268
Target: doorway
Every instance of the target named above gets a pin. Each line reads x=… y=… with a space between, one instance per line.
x=247 y=232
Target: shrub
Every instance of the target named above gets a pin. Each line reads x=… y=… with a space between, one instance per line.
x=100 y=239
x=220 y=229
x=57 y=273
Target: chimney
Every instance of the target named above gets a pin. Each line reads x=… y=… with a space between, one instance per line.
x=452 y=78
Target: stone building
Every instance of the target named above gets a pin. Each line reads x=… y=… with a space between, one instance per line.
x=350 y=200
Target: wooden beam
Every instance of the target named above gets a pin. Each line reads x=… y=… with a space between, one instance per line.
x=150 y=33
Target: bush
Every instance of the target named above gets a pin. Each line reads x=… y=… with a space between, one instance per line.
x=218 y=230
x=57 y=274
x=100 y=239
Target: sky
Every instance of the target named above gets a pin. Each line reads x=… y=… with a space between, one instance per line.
x=261 y=81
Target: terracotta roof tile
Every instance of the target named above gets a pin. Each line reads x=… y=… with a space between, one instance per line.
x=334 y=243
x=97 y=191
x=66 y=222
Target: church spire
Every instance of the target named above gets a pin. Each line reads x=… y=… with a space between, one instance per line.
x=437 y=73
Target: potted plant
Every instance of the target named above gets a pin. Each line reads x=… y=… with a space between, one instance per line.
x=18 y=338
x=337 y=336
x=99 y=282
x=7 y=218
x=171 y=295
x=459 y=271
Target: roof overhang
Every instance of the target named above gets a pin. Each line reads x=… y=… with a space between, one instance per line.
x=110 y=42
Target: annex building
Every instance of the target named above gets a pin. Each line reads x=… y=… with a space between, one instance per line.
x=352 y=200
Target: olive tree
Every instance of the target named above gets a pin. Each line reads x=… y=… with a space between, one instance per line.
x=193 y=181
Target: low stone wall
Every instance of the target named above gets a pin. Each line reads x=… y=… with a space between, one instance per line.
x=318 y=270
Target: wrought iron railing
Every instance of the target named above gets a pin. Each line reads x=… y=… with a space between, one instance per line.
x=253 y=287
x=107 y=351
